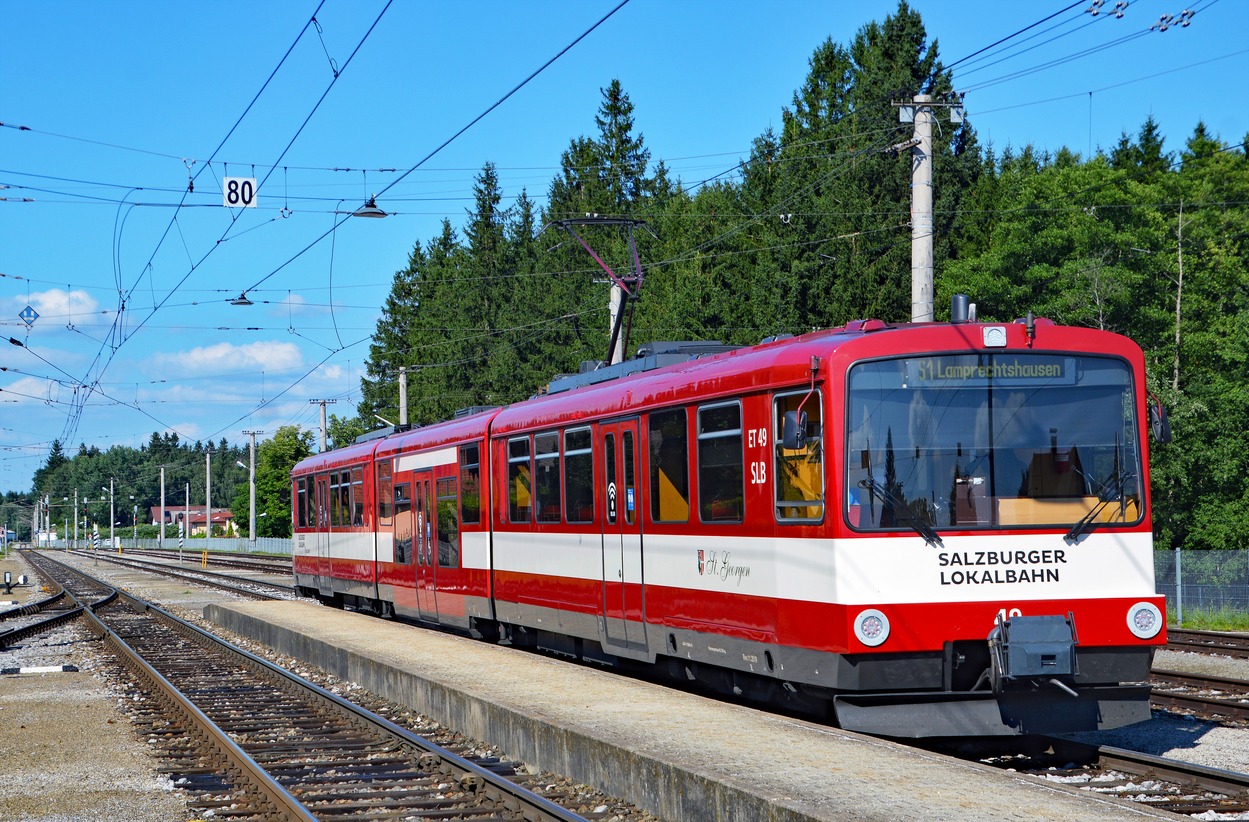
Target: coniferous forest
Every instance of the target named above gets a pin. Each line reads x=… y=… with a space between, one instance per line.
x=1148 y=237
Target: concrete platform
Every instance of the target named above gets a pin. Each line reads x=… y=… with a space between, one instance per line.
x=681 y=757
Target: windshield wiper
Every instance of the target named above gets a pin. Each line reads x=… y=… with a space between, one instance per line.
x=1111 y=492
x=920 y=527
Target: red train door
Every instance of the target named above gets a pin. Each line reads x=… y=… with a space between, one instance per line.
x=324 y=571
x=426 y=545
x=623 y=605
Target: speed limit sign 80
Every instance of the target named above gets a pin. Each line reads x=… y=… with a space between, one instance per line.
x=239 y=192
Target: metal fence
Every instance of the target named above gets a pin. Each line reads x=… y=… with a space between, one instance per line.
x=260 y=545
x=1202 y=581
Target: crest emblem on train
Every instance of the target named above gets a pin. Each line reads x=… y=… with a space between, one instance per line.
x=700 y=561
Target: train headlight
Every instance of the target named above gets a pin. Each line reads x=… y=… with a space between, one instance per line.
x=871 y=627
x=1144 y=620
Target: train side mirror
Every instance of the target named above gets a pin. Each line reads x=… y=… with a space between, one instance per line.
x=794 y=431
x=1159 y=422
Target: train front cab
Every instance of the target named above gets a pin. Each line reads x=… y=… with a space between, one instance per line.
x=1002 y=495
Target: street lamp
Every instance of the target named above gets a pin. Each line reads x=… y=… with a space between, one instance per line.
x=369 y=209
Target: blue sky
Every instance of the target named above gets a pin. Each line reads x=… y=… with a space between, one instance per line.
x=111 y=108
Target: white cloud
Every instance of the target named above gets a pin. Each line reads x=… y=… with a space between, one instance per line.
x=35 y=390
x=229 y=358
x=59 y=305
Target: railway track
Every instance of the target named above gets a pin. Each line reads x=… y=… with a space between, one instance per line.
x=1209 y=642
x=1207 y=696
x=246 y=562
x=251 y=741
x=18 y=624
x=1159 y=782
x=228 y=582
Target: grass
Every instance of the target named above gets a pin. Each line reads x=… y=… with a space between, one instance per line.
x=1214 y=620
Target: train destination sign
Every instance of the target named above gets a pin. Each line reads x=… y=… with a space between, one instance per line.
x=1000 y=370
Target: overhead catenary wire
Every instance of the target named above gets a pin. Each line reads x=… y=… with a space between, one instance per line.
x=172 y=302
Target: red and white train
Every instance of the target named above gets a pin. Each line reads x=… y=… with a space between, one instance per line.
x=937 y=529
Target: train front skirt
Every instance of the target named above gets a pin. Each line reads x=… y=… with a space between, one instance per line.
x=983 y=713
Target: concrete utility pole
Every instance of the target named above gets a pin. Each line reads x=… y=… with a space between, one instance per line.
x=921 y=213
x=920 y=111
x=208 y=494
x=251 y=482
x=160 y=535
x=403 y=395
x=112 y=516
x=323 y=403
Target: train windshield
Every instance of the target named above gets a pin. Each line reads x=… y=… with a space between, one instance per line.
x=992 y=440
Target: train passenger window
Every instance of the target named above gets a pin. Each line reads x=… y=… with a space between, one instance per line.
x=546 y=496
x=403 y=523
x=799 y=472
x=470 y=484
x=721 y=476
x=578 y=475
x=630 y=479
x=448 y=529
x=335 y=507
x=385 y=493
x=519 y=480
x=357 y=497
x=670 y=470
x=344 y=498
x=301 y=502
x=609 y=452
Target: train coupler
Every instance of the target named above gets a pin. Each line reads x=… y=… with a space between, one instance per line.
x=1037 y=648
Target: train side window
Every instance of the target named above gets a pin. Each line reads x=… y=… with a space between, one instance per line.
x=799 y=472
x=519 y=480
x=470 y=484
x=403 y=523
x=357 y=497
x=578 y=475
x=301 y=502
x=344 y=498
x=334 y=507
x=669 y=466
x=385 y=493
x=609 y=453
x=721 y=475
x=630 y=477
x=546 y=475
x=448 y=527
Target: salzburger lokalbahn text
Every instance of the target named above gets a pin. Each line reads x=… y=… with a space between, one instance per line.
x=936 y=529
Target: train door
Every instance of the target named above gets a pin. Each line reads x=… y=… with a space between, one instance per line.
x=623 y=603
x=322 y=547
x=425 y=540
